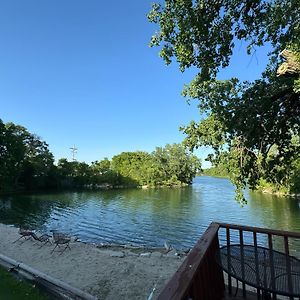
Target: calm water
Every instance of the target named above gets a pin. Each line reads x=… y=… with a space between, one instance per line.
x=148 y=217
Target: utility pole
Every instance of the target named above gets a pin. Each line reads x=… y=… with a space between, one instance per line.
x=74 y=151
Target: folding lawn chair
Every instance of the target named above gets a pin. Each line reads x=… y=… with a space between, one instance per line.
x=61 y=239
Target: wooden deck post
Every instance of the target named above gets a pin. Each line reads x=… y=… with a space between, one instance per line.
x=199 y=276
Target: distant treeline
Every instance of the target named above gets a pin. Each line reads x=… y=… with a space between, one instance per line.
x=290 y=186
x=216 y=172
x=26 y=163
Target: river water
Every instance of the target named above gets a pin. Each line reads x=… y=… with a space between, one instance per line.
x=148 y=217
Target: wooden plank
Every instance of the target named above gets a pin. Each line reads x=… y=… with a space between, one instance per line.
x=179 y=285
x=216 y=281
x=218 y=271
x=261 y=230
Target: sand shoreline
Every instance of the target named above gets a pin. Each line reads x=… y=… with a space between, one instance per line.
x=108 y=272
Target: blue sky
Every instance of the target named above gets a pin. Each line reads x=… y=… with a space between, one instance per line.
x=81 y=72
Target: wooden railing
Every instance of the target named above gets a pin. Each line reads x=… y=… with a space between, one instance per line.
x=200 y=277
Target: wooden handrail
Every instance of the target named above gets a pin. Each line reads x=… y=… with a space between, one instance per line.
x=260 y=230
x=199 y=276
x=180 y=285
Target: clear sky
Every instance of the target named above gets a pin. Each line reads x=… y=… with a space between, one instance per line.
x=80 y=72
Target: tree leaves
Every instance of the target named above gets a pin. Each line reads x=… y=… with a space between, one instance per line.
x=171 y=165
x=244 y=120
x=24 y=158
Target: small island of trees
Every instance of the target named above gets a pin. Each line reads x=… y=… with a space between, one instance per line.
x=26 y=163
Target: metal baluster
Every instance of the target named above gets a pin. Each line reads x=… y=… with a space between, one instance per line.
x=288 y=264
x=256 y=263
x=242 y=262
x=272 y=264
x=228 y=259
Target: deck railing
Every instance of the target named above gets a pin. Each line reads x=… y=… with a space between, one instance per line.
x=200 y=277
x=258 y=236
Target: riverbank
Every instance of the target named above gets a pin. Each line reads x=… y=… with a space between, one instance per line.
x=95 y=188
x=265 y=188
x=105 y=272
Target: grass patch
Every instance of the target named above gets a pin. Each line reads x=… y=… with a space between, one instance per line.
x=11 y=288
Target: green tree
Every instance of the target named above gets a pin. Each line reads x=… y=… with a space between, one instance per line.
x=101 y=167
x=171 y=165
x=203 y=33
x=24 y=158
x=244 y=120
x=103 y=174
x=132 y=166
x=74 y=173
x=65 y=168
x=174 y=164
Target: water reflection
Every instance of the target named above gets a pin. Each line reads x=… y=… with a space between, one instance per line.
x=274 y=211
x=148 y=217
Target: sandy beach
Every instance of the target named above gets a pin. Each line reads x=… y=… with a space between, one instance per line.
x=105 y=272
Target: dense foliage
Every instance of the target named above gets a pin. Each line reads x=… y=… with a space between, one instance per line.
x=253 y=128
x=25 y=160
x=216 y=172
x=26 y=163
x=171 y=165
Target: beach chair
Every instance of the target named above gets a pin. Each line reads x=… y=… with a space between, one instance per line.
x=61 y=239
x=25 y=233
x=44 y=238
